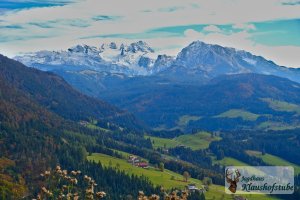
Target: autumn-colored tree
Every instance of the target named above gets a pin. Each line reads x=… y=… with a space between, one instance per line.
x=186 y=176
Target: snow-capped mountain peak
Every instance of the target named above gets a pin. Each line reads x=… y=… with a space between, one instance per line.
x=197 y=60
x=139 y=46
x=213 y=60
x=133 y=59
x=135 y=55
x=83 y=49
x=136 y=47
x=106 y=46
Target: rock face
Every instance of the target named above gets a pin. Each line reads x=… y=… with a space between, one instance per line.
x=133 y=59
x=198 y=61
x=215 y=60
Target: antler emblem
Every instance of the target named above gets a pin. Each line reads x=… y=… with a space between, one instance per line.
x=233 y=183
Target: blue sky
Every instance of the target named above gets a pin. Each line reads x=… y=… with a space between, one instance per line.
x=8 y=5
x=269 y=28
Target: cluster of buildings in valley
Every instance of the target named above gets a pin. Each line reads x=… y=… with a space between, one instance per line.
x=193 y=188
x=136 y=161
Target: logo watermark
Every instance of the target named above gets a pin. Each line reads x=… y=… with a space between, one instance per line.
x=259 y=180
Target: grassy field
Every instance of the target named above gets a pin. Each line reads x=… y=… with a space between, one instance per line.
x=274 y=160
x=282 y=105
x=185 y=119
x=125 y=155
x=228 y=161
x=155 y=176
x=93 y=126
x=276 y=126
x=181 y=123
x=267 y=158
x=196 y=141
x=165 y=178
x=163 y=142
x=235 y=113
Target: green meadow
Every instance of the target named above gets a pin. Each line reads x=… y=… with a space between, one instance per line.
x=197 y=141
x=236 y=113
x=282 y=105
x=274 y=160
x=163 y=142
x=228 y=161
x=186 y=119
x=167 y=178
x=200 y=140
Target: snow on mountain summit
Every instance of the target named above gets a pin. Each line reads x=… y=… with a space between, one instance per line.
x=197 y=60
x=131 y=55
x=133 y=59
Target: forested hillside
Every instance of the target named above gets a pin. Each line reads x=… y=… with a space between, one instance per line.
x=33 y=139
x=53 y=93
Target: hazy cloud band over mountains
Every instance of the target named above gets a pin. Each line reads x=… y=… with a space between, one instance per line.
x=270 y=28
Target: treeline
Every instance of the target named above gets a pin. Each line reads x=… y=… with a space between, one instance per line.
x=167 y=133
x=199 y=158
x=284 y=144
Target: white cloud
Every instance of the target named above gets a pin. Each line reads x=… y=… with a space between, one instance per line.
x=135 y=20
x=212 y=28
x=191 y=33
x=244 y=26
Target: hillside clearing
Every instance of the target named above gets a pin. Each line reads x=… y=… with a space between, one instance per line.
x=200 y=140
x=186 y=119
x=155 y=176
x=282 y=105
x=228 y=161
x=236 y=113
x=165 y=178
x=274 y=160
x=197 y=141
x=158 y=142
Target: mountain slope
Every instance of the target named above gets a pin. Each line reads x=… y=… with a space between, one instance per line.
x=228 y=102
x=174 y=92
x=27 y=132
x=198 y=62
x=52 y=92
x=33 y=138
x=207 y=61
x=133 y=59
x=16 y=107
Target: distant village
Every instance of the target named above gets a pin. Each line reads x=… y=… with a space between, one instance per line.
x=138 y=162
